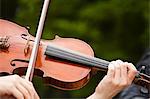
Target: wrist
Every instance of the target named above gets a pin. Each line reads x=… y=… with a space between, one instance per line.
x=101 y=95
x=98 y=96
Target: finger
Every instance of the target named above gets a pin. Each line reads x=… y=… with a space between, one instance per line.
x=111 y=70
x=34 y=92
x=131 y=72
x=28 y=87
x=10 y=97
x=31 y=90
x=123 y=69
x=16 y=93
x=124 y=76
x=7 y=97
x=24 y=91
x=117 y=77
x=36 y=96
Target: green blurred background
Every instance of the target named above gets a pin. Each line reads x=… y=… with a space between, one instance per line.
x=116 y=29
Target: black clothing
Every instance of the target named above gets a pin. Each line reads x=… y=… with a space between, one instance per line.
x=136 y=91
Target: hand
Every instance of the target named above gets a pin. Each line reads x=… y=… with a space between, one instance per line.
x=120 y=75
x=15 y=86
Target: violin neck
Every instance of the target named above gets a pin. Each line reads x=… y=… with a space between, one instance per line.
x=75 y=57
x=79 y=58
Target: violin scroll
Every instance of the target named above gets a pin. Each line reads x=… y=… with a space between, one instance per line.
x=142 y=79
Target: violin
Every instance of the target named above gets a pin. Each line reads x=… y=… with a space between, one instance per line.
x=15 y=50
x=65 y=63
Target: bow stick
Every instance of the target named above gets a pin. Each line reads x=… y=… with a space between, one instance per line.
x=30 y=70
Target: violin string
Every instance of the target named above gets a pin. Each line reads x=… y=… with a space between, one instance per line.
x=74 y=52
x=76 y=60
x=92 y=59
x=76 y=57
x=69 y=57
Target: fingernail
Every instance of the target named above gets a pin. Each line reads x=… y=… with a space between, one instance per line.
x=111 y=66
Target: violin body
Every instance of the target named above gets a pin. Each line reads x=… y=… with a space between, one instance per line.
x=15 y=50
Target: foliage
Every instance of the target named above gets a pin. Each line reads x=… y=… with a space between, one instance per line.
x=114 y=28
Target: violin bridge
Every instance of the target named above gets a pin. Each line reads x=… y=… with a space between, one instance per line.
x=27 y=46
